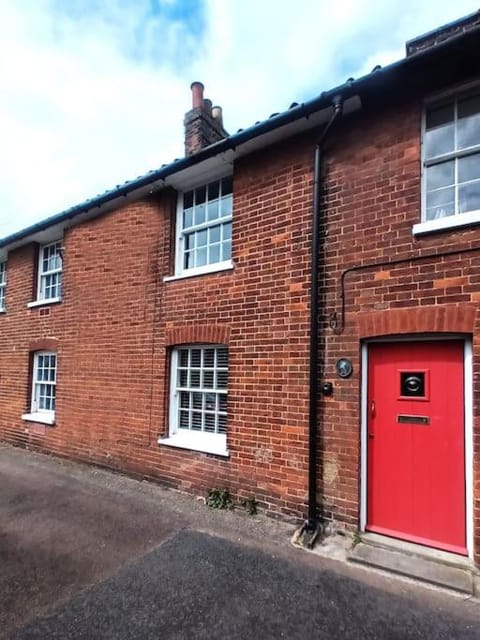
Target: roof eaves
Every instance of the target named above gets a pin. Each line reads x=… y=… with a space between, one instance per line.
x=296 y=111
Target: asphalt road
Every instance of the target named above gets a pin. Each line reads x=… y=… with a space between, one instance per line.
x=129 y=560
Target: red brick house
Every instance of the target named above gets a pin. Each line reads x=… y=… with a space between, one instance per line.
x=289 y=311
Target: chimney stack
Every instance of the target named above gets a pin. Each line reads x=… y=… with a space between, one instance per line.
x=203 y=124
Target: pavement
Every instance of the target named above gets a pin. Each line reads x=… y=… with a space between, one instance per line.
x=86 y=553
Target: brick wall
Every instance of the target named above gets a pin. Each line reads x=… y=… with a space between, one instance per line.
x=372 y=200
x=118 y=321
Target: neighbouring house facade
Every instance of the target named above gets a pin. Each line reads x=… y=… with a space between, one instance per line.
x=165 y=327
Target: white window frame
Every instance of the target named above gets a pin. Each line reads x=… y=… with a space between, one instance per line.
x=37 y=414
x=180 y=270
x=42 y=275
x=207 y=442
x=3 y=285
x=457 y=219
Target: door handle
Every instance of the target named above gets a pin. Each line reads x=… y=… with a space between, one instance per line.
x=373 y=413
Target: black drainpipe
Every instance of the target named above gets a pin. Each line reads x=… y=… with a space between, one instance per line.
x=311 y=525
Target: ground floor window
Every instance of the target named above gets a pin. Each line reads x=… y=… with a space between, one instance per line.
x=198 y=397
x=43 y=390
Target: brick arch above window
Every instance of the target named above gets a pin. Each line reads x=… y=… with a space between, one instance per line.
x=428 y=319
x=200 y=334
x=43 y=344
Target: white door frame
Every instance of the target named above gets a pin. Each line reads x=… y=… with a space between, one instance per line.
x=468 y=426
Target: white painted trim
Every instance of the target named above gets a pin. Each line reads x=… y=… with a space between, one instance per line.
x=363 y=438
x=468 y=428
x=206 y=443
x=200 y=271
x=41 y=303
x=449 y=222
x=468 y=383
x=44 y=418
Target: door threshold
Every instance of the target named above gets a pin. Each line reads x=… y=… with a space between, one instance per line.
x=434 y=566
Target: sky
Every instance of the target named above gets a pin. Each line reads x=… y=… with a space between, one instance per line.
x=93 y=92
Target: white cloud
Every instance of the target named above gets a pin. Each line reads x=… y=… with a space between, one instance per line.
x=91 y=98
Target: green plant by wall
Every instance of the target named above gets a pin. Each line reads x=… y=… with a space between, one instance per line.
x=219 y=499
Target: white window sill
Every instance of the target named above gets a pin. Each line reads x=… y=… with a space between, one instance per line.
x=3 y=311
x=40 y=303
x=200 y=271
x=449 y=222
x=44 y=418
x=204 y=442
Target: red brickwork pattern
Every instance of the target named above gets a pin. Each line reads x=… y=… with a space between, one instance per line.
x=118 y=319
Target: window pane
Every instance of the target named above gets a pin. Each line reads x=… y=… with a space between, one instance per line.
x=469 y=197
x=184 y=420
x=196 y=420
x=183 y=378
x=201 y=256
x=226 y=206
x=208 y=379
x=227 y=185
x=212 y=210
x=441 y=175
x=222 y=402
x=222 y=357
x=227 y=231
x=200 y=195
x=222 y=424
x=213 y=190
x=195 y=378
x=226 y=250
x=187 y=218
x=468 y=132
x=197 y=400
x=184 y=400
x=214 y=233
x=440 y=116
x=221 y=379
x=469 y=168
x=440 y=203
x=214 y=254
x=200 y=213
x=439 y=141
x=209 y=358
x=201 y=239
x=189 y=260
x=195 y=357
x=183 y=357
x=188 y=200
x=210 y=422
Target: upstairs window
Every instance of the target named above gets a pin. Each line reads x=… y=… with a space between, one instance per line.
x=50 y=272
x=3 y=284
x=204 y=228
x=451 y=159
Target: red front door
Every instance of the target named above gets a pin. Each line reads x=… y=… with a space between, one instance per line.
x=415 y=434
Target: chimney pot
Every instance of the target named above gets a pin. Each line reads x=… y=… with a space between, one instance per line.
x=207 y=106
x=197 y=95
x=217 y=115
